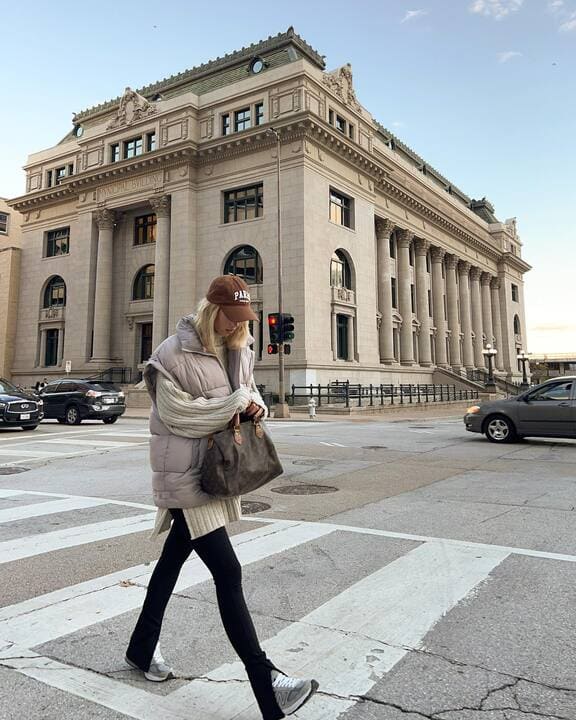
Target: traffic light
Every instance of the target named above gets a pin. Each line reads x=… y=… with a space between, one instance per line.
x=272 y=349
x=275 y=328
x=287 y=349
x=287 y=323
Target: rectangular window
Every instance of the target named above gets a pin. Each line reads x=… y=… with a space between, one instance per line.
x=514 y=292
x=49 y=178
x=59 y=175
x=226 y=124
x=145 y=229
x=341 y=124
x=70 y=169
x=259 y=113
x=331 y=117
x=413 y=298
x=411 y=255
x=57 y=242
x=4 y=223
x=242 y=120
x=394 y=293
x=341 y=209
x=145 y=342
x=51 y=351
x=342 y=337
x=243 y=204
x=392 y=246
x=115 y=152
x=427 y=263
x=133 y=147
x=151 y=142
x=351 y=131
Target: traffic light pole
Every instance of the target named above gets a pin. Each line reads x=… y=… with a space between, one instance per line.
x=281 y=410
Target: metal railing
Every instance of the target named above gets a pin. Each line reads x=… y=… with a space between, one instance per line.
x=359 y=395
x=116 y=375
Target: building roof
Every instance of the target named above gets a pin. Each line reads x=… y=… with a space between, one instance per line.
x=275 y=50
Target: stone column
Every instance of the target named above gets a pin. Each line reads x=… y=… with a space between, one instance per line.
x=452 y=302
x=497 y=322
x=405 y=297
x=350 y=338
x=465 y=319
x=384 y=229
x=424 y=349
x=103 y=293
x=487 y=307
x=477 y=327
x=437 y=257
x=161 y=206
x=334 y=337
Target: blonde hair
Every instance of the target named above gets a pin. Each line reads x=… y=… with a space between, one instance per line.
x=204 y=319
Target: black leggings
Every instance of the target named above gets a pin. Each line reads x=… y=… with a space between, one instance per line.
x=216 y=552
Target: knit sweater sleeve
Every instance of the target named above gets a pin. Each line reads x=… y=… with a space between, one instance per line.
x=196 y=417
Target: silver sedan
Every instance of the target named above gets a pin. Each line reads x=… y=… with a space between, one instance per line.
x=548 y=410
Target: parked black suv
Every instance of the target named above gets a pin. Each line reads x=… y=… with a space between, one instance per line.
x=71 y=401
x=19 y=408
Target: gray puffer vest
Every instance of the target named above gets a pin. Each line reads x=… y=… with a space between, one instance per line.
x=175 y=460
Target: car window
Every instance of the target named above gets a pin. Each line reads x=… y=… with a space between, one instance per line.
x=102 y=386
x=51 y=387
x=557 y=391
x=67 y=387
x=6 y=387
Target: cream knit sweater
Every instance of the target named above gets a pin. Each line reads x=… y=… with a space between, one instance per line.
x=196 y=418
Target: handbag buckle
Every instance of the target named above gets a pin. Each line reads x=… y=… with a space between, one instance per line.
x=237 y=435
x=258 y=429
x=210 y=442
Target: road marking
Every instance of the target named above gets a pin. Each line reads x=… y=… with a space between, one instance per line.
x=31 y=453
x=6 y=493
x=71 y=537
x=99 y=443
x=332 y=444
x=62 y=612
x=22 y=512
x=107 y=500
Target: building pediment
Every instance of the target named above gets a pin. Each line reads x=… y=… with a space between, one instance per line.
x=133 y=108
x=341 y=83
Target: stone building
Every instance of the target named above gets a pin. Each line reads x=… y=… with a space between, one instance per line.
x=391 y=272
x=10 y=243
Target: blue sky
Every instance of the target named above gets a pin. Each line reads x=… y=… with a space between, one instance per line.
x=483 y=90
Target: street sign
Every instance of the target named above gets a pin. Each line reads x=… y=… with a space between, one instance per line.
x=68 y=367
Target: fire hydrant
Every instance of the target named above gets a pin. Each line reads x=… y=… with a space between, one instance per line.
x=312 y=408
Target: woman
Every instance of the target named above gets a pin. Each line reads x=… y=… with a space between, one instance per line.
x=199 y=379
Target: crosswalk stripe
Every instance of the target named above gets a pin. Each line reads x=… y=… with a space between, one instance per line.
x=99 y=443
x=64 y=612
x=24 y=547
x=6 y=492
x=30 y=453
x=22 y=512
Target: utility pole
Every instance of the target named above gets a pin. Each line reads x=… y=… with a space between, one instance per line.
x=281 y=410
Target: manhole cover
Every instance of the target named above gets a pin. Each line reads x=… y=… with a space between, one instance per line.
x=374 y=447
x=316 y=463
x=12 y=470
x=249 y=507
x=304 y=489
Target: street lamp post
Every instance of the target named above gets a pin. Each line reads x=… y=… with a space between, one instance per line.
x=523 y=358
x=490 y=353
x=281 y=409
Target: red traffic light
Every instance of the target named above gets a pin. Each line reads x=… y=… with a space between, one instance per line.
x=272 y=349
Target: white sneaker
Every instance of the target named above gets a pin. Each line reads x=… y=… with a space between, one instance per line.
x=158 y=670
x=291 y=693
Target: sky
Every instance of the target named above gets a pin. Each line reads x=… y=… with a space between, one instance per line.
x=483 y=90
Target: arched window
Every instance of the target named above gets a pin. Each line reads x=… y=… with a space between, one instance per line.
x=245 y=262
x=143 y=288
x=55 y=293
x=340 y=273
x=517 y=328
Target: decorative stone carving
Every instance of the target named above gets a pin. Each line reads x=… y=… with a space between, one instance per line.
x=463 y=267
x=421 y=246
x=475 y=273
x=384 y=228
x=104 y=219
x=340 y=82
x=451 y=261
x=160 y=205
x=485 y=278
x=495 y=283
x=133 y=108
x=437 y=254
x=405 y=237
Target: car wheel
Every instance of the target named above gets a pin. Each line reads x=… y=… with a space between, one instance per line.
x=110 y=420
x=500 y=429
x=29 y=427
x=72 y=416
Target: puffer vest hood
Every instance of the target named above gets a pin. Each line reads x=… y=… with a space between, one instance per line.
x=175 y=460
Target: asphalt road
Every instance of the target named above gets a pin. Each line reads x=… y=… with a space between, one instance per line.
x=415 y=570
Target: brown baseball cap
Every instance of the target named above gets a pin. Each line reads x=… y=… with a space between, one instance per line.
x=232 y=295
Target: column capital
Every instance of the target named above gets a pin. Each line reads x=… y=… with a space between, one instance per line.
x=475 y=273
x=104 y=218
x=160 y=205
x=451 y=261
x=437 y=254
x=405 y=237
x=495 y=283
x=384 y=228
x=485 y=278
x=463 y=267
x=421 y=247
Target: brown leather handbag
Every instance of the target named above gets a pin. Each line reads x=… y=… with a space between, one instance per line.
x=239 y=459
